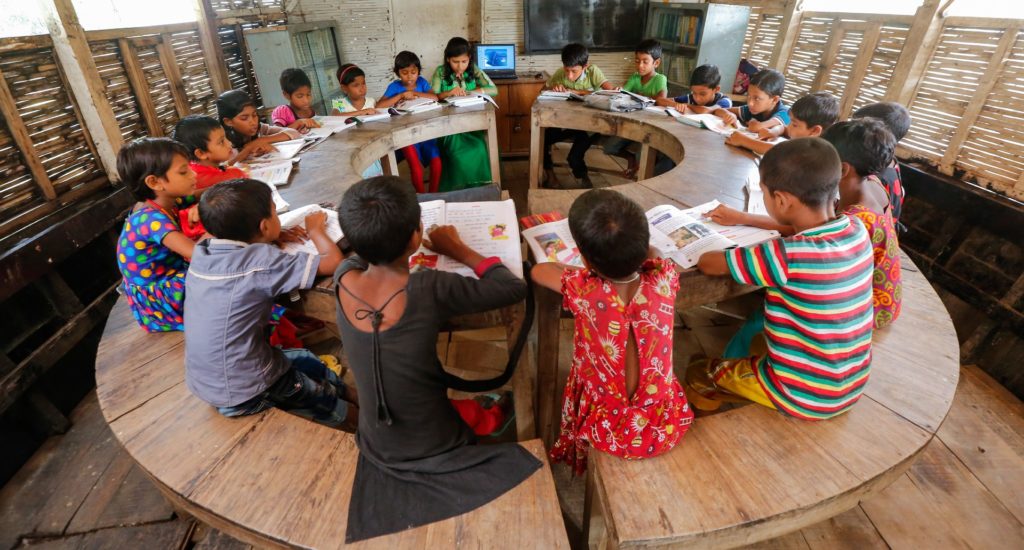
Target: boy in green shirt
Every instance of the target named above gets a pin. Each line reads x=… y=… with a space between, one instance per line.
x=578 y=76
x=645 y=81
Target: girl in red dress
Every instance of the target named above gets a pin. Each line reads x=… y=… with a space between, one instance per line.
x=622 y=397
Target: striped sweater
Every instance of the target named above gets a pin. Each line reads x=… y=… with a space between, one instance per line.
x=818 y=316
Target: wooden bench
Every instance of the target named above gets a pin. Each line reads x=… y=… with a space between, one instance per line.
x=747 y=474
x=274 y=479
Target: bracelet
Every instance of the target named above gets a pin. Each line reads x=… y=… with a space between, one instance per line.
x=485 y=265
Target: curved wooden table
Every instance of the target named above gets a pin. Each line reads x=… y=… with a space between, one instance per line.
x=274 y=479
x=750 y=473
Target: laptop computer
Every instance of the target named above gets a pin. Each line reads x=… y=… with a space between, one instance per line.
x=498 y=61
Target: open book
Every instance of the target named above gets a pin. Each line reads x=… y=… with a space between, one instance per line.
x=416 y=105
x=298 y=218
x=488 y=227
x=471 y=98
x=331 y=125
x=274 y=173
x=679 y=235
x=709 y=122
x=284 y=151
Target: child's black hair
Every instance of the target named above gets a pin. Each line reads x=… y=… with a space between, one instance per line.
x=611 y=231
x=193 y=132
x=407 y=59
x=146 y=157
x=817 y=109
x=575 y=55
x=234 y=209
x=378 y=216
x=650 y=47
x=807 y=168
x=348 y=72
x=229 y=105
x=894 y=115
x=293 y=79
x=706 y=75
x=769 y=81
x=866 y=144
x=458 y=46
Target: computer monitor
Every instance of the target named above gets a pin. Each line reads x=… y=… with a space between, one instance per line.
x=497 y=60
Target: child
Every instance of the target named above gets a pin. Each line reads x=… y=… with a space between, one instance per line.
x=410 y=85
x=764 y=108
x=237 y=112
x=705 y=95
x=464 y=156
x=810 y=115
x=622 y=397
x=897 y=118
x=413 y=445
x=152 y=252
x=208 y=149
x=646 y=81
x=355 y=102
x=229 y=297
x=818 y=313
x=866 y=148
x=298 y=113
x=579 y=76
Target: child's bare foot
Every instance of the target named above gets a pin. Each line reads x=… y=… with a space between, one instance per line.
x=549 y=179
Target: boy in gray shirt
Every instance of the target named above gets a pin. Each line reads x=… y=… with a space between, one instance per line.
x=229 y=293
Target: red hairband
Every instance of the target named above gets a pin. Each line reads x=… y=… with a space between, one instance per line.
x=342 y=75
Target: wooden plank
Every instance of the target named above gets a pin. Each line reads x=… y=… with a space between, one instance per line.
x=917 y=51
x=648 y=156
x=128 y=32
x=75 y=56
x=850 y=530
x=137 y=79
x=977 y=102
x=168 y=534
x=122 y=495
x=789 y=30
x=547 y=318
x=536 y=145
x=16 y=126
x=170 y=65
x=45 y=417
x=828 y=57
x=212 y=52
x=64 y=300
x=16 y=43
x=859 y=70
x=493 y=155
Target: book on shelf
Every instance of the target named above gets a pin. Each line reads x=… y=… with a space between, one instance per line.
x=488 y=227
x=297 y=217
x=679 y=235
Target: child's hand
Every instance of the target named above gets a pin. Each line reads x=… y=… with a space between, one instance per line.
x=317 y=221
x=409 y=95
x=754 y=125
x=723 y=215
x=727 y=116
x=308 y=123
x=193 y=216
x=558 y=88
x=737 y=139
x=292 y=235
x=681 y=107
x=445 y=240
x=458 y=91
x=766 y=134
x=335 y=112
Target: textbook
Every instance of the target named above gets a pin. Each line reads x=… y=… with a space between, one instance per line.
x=670 y=111
x=298 y=218
x=274 y=173
x=549 y=95
x=416 y=105
x=284 y=151
x=709 y=122
x=678 y=235
x=378 y=114
x=488 y=227
x=471 y=98
x=331 y=125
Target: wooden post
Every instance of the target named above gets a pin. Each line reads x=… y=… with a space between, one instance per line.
x=536 y=144
x=974 y=106
x=165 y=49
x=835 y=38
x=389 y=163
x=492 y=145
x=917 y=51
x=21 y=138
x=212 y=53
x=548 y=314
x=648 y=155
x=859 y=70
x=788 y=31
x=137 y=79
x=75 y=58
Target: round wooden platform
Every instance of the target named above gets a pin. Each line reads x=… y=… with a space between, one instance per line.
x=750 y=473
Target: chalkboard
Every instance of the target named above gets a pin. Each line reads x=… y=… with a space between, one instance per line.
x=598 y=24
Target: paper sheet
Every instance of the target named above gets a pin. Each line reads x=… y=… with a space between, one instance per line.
x=274 y=173
x=298 y=218
x=285 y=150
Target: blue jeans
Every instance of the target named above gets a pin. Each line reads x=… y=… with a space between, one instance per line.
x=309 y=389
x=739 y=345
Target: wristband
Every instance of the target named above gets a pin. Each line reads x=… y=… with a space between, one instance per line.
x=485 y=265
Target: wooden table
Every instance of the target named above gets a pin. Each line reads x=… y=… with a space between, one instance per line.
x=747 y=474
x=274 y=479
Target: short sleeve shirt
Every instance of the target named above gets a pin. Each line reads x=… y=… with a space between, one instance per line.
x=283 y=115
x=591 y=79
x=720 y=100
x=344 y=104
x=780 y=112
x=229 y=297
x=818 y=315
x=657 y=84
x=397 y=87
x=141 y=254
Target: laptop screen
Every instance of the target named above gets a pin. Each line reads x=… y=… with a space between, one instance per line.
x=496 y=57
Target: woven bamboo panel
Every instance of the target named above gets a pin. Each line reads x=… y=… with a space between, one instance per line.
x=234 y=5
x=41 y=99
x=233 y=58
x=841 y=65
x=804 y=62
x=119 y=92
x=18 y=193
x=993 y=152
x=883 y=60
x=194 y=75
x=952 y=76
x=760 y=39
x=159 y=87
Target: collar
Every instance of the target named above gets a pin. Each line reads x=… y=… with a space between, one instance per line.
x=227 y=243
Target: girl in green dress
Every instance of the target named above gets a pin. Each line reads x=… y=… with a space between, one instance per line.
x=464 y=156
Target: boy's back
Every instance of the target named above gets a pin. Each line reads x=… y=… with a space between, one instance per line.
x=818 y=315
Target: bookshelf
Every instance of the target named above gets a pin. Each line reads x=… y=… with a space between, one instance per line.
x=695 y=34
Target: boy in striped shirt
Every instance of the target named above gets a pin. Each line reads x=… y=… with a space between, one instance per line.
x=818 y=307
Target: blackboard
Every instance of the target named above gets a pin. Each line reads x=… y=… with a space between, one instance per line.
x=598 y=24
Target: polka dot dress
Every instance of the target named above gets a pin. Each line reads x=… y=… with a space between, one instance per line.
x=154 y=275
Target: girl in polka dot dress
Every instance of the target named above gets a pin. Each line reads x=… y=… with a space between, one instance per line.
x=152 y=252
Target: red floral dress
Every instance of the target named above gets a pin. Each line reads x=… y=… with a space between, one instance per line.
x=887 y=278
x=596 y=409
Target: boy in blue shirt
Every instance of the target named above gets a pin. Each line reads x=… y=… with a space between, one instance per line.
x=229 y=295
x=705 y=93
x=765 y=108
